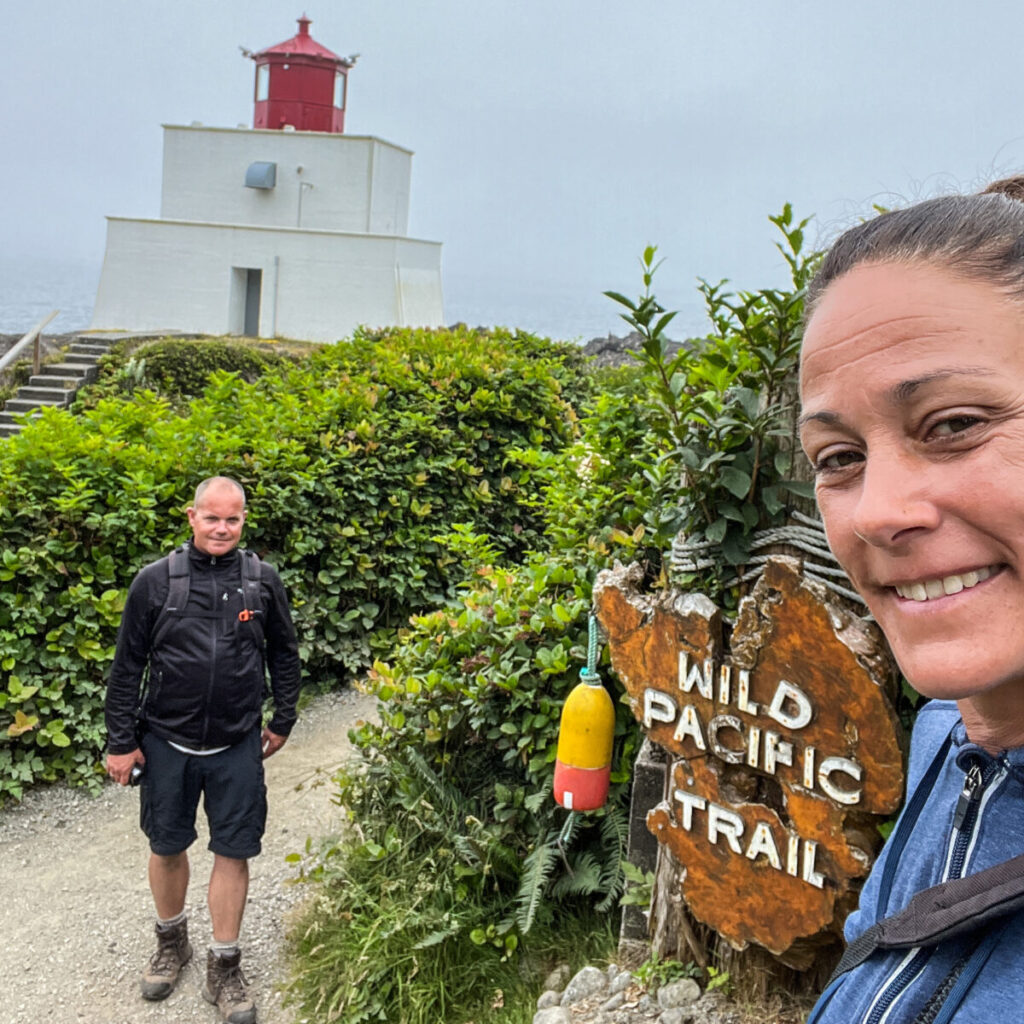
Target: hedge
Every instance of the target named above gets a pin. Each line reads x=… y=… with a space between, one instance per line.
x=360 y=463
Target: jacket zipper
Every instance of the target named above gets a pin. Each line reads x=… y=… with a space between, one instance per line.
x=215 y=625
x=965 y=820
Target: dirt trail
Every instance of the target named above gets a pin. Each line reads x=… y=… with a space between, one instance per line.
x=76 y=916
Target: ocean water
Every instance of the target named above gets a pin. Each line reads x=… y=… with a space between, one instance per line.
x=32 y=288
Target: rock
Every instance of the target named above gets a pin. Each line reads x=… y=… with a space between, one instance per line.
x=553 y=1015
x=678 y=993
x=590 y=981
x=613 y=1003
x=615 y=351
x=713 y=1008
x=676 y=1015
x=621 y=982
x=558 y=978
x=548 y=999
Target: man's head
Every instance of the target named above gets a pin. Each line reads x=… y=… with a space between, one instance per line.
x=217 y=515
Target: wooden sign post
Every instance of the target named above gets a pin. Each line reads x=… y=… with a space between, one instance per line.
x=787 y=750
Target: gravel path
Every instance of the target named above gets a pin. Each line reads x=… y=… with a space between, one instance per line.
x=76 y=915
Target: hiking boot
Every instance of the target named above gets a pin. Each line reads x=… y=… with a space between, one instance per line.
x=172 y=953
x=225 y=986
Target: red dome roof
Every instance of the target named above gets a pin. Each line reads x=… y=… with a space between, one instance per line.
x=303 y=44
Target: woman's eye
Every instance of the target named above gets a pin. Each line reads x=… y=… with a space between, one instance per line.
x=836 y=461
x=954 y=425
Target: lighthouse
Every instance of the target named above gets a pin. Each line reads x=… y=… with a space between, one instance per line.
x=291 y=228
x=301 y=85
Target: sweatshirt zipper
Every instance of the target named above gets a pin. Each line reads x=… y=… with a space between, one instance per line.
x=965 y=820
x=966 y=815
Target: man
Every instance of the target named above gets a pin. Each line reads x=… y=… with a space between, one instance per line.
x=199 y=630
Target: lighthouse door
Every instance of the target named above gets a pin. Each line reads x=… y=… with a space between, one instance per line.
x=253 y=283
x=244 y=301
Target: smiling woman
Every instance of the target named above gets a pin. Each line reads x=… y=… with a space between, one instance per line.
x=912 y=384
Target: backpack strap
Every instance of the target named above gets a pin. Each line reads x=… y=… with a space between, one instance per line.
x=179 y=581
x=944 y=911
x=252 y=591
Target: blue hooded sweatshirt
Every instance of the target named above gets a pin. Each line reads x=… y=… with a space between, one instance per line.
x=931 y=984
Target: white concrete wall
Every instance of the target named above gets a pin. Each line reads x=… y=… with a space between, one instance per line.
x=389 y=199
x=353 y=183
x=174 y=275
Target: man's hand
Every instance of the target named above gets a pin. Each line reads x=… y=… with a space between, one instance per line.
x=272 y=743
x=119 y=766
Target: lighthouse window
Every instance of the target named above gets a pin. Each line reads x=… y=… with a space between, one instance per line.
x=262 y=82
x=339 y=90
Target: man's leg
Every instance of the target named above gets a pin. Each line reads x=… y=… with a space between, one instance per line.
x=168 y=881
x=169 y=799
x=236 y=807
x=229 y=886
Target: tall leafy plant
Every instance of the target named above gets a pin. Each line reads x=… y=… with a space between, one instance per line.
x=723 y=409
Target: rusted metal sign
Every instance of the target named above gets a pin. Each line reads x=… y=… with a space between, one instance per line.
x=787 y=747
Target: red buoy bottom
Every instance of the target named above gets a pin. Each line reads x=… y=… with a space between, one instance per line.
x=581 y=789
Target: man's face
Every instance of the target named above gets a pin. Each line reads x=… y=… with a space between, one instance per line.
x=217 y=520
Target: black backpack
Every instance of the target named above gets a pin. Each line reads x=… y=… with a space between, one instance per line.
x=180 y=576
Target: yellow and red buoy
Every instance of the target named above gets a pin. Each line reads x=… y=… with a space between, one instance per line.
x=586 y=732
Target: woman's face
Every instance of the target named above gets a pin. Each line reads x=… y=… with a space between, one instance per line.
x=912 y=383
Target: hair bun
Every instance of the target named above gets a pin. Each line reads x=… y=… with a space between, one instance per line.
x=1012 y=187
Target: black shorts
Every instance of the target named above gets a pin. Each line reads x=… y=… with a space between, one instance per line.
x=231 y=784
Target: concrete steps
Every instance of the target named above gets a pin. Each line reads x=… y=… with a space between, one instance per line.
x=56 y=384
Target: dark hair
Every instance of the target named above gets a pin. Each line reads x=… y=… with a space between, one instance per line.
x=975 y=236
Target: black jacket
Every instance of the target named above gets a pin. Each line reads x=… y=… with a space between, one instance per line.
x=208 y=676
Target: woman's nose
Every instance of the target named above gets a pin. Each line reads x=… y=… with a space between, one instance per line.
x=895 y=500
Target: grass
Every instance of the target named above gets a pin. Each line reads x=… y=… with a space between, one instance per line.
x=386 y=936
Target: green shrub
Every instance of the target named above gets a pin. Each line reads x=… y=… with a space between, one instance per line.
x=455 y=782
x=723 y=413
x=358 y=463
x=176 y=368
x=15 y=376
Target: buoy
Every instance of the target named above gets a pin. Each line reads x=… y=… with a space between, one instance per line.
x=583 y=765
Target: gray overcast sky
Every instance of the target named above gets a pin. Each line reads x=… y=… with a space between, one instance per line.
x=553 y=139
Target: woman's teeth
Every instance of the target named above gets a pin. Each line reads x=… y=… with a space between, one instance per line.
x=930 y=589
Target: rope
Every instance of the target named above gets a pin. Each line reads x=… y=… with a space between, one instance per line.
x=806 y=534
x=589 y=674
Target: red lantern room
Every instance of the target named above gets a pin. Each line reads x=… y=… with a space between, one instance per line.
x=301 y=85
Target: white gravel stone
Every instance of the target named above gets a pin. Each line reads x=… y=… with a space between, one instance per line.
x=590 y=981
x=548 y=999
x=554 y=1015
x=558 y=978
x=678 y=993
x=621 y=982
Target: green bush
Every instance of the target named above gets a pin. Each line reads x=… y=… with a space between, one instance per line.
x=723 y=413
x=358 y=462
x=15 y=376
x=455 y=783
x=176 y=368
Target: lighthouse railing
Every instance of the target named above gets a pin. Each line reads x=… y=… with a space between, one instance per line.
x=28 y=339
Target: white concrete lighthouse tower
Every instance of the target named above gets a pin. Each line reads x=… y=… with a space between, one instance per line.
x=288 y=229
